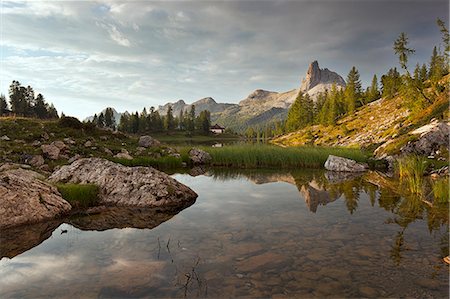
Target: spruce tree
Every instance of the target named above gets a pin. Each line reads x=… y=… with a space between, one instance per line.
x=352 y=90
x=3 y=105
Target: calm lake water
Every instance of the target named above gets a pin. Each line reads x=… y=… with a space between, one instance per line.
x=251 y=233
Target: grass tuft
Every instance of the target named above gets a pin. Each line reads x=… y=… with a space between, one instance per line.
x=441 y=190
x=411 y=170
x=80 y=195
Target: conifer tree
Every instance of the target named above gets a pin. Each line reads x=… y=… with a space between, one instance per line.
x=352 y=90
x=3 y=105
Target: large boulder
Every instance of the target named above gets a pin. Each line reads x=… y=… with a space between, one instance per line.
x=148 y=141
x=431 y=138
x=335 y=163
x=198 y=156
x=26 y=198
x=126 y=186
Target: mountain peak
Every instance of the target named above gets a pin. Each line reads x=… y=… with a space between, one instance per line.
x=316 y=76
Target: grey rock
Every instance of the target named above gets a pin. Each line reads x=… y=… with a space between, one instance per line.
x=126 y=186
x=198 y=156
x=108 y=151
x=431 y=138
x=124 y=156
x=37 y=161
x=59 y=144
x=74 y=158
x=148 y=141
x=36 y=143
x=5 y=138
x=69 y=141
x=88 y=143
x=50 y=151
x=335 y=163
x=140 y=150
x=26 y=198
x=45 y=136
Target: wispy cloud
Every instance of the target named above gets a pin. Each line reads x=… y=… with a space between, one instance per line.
x=142 y=53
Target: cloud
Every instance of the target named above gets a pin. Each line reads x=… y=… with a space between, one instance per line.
x=143 y=53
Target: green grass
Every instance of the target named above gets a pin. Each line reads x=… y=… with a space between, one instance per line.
x=441 y=190
x=257 y=156
x=411 y=171
x=80 y=195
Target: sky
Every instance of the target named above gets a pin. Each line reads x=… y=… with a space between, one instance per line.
x=84 y=56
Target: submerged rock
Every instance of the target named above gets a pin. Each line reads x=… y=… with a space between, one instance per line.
x=335 y=163
x=126 y=186
x=25 y=198
x=199 y=156
x=148 y=141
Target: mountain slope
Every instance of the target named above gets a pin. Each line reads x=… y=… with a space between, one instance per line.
x=203 y=104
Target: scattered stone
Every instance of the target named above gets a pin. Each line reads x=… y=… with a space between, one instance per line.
x=88 y=143
x=59 y=144
x=69 y=141
x=148 y=141
x=37 y=161
x=198 y=156
x=126 y=186
x=124 y=155
x=50 y=151
x=45 y=136
x=335 y=163
x=103 y=138
x=25 y=198
x=108 y=151
x=5 y=138
x=259 y=261
x=74 y=158
x=428 y=283
x=36 y=143
x=140 y=150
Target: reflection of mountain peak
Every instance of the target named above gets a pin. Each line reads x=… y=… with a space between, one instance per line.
x=315 y=196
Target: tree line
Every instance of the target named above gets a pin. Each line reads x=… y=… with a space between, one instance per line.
x=152 y=121
x=331 y=105
x=23 y=102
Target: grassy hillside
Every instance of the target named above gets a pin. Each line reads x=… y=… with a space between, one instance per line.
x=383 y=122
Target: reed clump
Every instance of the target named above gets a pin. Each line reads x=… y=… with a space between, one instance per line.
x=411 y=170
x=270 y=156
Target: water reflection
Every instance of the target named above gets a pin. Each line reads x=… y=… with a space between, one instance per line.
x=251 y=233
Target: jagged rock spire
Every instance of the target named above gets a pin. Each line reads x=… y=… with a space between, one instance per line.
x=315 y=76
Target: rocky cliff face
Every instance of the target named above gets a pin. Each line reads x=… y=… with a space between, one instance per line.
x=318 y=80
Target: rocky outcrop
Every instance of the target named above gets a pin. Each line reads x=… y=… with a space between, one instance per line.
x=318 y=80
x=335 y=163
x=37 y=161
x=126 y=186
x=198 y=156
x=148 y=141
x=26 y=198
x=123 y=155
x=431 y=138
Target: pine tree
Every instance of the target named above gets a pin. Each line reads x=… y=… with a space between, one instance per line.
x=191 y=119
x=373 y=91
x=181 y=120
x=52 y=113
x=3 y=105
x=41 y=107
x=402 y=50
x=391 y=83
x=168 y=120
x=101 y=120
x=110 y=122
x=352 y=90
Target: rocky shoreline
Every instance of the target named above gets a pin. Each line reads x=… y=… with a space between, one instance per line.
x=28 y=197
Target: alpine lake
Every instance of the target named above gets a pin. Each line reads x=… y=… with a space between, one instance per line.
x=251 y=233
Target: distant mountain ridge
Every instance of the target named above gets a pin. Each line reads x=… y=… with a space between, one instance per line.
x=261 y=107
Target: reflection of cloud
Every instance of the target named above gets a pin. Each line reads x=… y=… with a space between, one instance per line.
x=36 y=268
